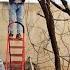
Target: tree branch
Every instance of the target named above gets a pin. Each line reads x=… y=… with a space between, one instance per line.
x=66 y=10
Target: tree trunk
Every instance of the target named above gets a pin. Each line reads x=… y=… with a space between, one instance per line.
x=51 y=30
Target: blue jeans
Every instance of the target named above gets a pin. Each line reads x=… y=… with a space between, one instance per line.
x=15 y=14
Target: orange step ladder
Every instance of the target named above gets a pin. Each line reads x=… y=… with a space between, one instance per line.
x=12 y=64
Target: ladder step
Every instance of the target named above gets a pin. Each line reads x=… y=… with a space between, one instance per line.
x=15 y=39
x=16 y=47
x=16 y=62
x=17 y=55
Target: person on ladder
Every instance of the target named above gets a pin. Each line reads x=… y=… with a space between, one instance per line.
x=16 y=8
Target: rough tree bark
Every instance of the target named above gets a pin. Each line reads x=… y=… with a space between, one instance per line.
x=45 y=5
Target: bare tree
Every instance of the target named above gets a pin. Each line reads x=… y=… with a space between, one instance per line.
x=45 y=5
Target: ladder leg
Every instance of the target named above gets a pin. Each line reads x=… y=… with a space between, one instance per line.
x=23 y=56
x=7 y=54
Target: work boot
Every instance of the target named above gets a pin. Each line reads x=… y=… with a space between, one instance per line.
x=10 y=35
x=18 y=36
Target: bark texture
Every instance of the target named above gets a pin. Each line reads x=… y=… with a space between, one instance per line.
x=45 y=5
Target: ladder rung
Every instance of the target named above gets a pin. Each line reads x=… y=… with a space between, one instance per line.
x=16 y=47
x=15 y=39
x=16 y=62
x=18 y=55
x=16 y=67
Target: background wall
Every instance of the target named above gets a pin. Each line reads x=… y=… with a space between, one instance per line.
x=38 y=45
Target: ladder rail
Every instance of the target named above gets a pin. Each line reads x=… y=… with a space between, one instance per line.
x=23 y=58
x=15 y=23
x=7 y=54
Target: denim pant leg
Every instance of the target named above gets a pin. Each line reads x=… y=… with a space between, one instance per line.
x=12 y=16
x=19 y=17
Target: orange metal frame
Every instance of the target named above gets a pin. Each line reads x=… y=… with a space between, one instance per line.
x=8 y=56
